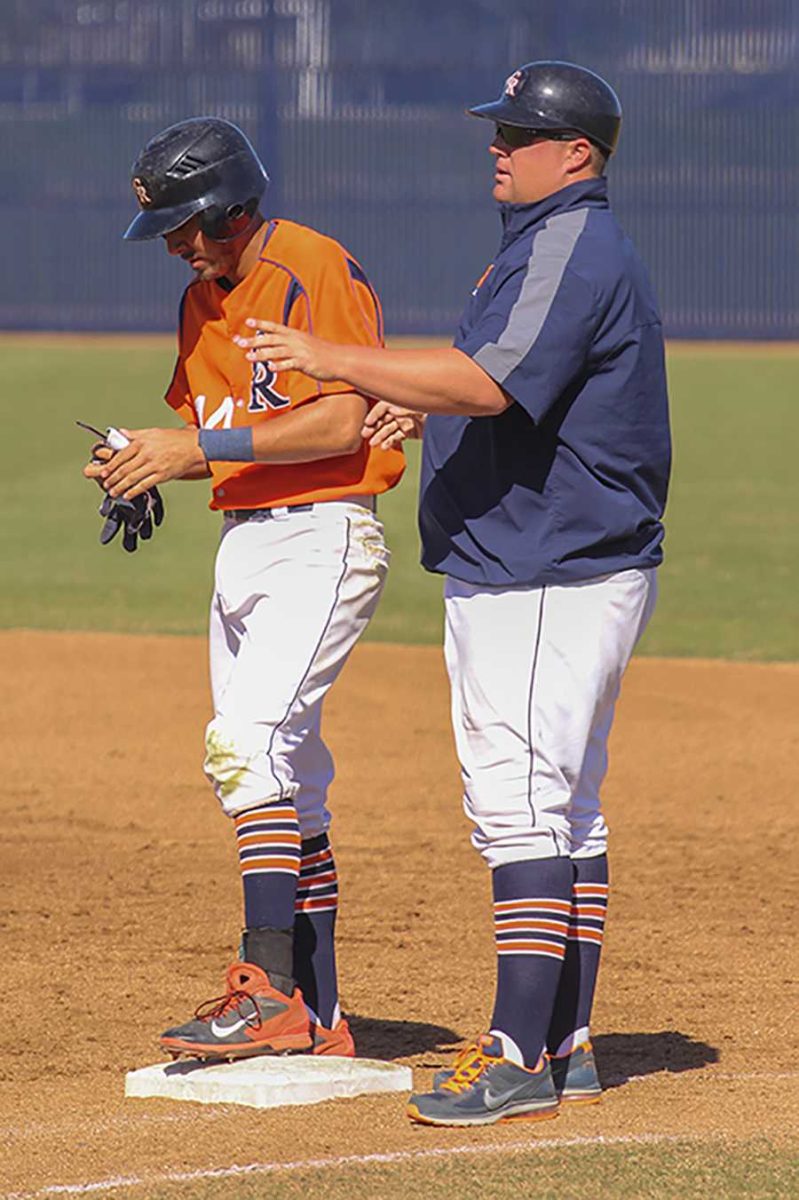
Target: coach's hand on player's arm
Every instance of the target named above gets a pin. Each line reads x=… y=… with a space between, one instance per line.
x=440 y=379
x=284 y=349
x=154 y=456
x=388 y=425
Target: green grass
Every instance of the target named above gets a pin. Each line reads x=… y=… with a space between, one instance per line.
x=731 y=574
x=684 y=1170
x=727 y=590
x=58 y=576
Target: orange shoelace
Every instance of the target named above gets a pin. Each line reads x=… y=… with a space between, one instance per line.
x=467 y=1051
x=468 y=1067
x=221 y=1005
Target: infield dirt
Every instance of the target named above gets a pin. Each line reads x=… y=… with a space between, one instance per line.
x=120 y=910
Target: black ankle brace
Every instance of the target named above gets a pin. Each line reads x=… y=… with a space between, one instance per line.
x=273 y=951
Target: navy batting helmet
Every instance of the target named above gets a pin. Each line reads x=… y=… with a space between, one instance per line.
x=560 y=97
x=204 y=166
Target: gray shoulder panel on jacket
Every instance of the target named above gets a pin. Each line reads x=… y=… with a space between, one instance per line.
x=552 y=248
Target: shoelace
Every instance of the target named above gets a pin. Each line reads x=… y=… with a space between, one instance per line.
x=462 y=1055
x=221 y=1005
x=469 y=1066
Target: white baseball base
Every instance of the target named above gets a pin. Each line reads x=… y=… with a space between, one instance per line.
x=268 y=1081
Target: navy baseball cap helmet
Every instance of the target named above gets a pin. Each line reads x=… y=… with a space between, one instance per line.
x=557 y=96
x=204 y=166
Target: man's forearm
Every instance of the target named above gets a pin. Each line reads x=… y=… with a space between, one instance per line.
x=326 y=428
x=427 y=381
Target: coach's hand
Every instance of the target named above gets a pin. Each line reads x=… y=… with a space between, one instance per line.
x=154 y=456
x=284 y=349
x=387 y=425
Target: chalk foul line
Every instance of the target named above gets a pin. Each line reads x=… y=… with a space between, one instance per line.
x=237 y=1171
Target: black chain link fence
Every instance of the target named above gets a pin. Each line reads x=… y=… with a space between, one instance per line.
x=357 y=109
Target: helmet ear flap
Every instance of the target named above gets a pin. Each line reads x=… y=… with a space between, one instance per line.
x=225 y=225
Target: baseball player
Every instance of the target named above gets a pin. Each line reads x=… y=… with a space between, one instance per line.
x=300 y=567
x=545 y=467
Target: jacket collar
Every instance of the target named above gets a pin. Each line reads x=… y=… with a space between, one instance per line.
x=517 y=218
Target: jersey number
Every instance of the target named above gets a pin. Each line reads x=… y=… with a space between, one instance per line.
x=263 y=394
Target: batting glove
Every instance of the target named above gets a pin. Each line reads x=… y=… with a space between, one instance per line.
x=135 y=518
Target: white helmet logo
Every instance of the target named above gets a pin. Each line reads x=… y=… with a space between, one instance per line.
x=512 y=83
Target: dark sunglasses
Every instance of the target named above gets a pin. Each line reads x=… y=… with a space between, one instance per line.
x=516 y=137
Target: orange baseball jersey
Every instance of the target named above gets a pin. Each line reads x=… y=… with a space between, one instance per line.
x=305 y=280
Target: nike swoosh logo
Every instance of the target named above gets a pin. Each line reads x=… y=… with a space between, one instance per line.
x=492 y=1100
x=222 y=1031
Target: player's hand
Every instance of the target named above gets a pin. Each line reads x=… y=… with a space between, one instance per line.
x=154 y=456
x=387 y=425
x=101 y=454
x=284 y=349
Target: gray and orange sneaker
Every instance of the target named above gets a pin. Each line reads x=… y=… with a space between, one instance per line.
x=575 y=1076
x=485 y=1088
x=251 y=1018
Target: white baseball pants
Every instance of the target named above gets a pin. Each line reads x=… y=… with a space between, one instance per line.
x=535 y=674
x=293 y=592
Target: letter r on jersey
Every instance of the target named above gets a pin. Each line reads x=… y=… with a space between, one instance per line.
x=263 y=393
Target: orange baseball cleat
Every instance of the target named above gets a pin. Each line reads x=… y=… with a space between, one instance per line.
x=251 y=1018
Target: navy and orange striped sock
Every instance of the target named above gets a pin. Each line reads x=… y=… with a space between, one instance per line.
x=571 y=1017
x=532 y=901
x=268 y=840
x=314 y=930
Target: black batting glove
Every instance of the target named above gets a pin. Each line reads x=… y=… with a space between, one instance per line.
x=135 y=518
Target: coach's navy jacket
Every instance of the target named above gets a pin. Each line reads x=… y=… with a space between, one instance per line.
x=570 y=481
